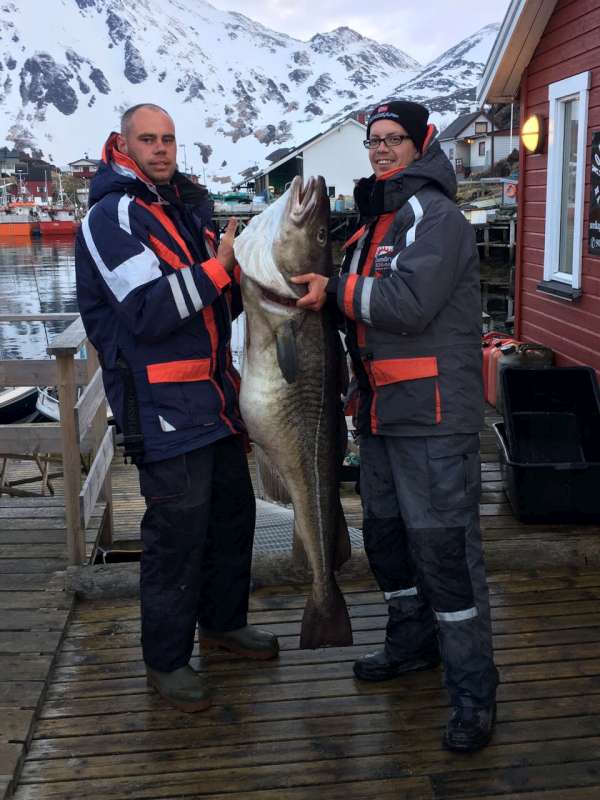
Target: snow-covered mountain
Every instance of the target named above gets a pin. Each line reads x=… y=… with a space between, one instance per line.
x=237 y=90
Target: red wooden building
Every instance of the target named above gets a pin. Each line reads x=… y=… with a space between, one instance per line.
x=547 y=55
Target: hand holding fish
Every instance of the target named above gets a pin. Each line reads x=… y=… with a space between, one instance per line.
x=225 y=252
x=314 y=299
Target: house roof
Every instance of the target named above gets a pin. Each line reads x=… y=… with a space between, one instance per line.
x=459 y=124
x=92 y=162
x=278 y=154
x=308 y=143
x=519 y=34
x=6 y=153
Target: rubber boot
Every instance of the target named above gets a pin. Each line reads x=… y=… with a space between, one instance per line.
x=249 y=642
x=469 y=728
x=183 y=688
x=410 y=643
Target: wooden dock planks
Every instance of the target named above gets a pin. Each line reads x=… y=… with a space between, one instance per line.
x=302 y=726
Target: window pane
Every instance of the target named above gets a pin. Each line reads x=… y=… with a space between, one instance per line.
x=567 y=201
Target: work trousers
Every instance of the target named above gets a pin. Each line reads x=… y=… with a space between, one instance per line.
x=421 y=530
x=197 y=536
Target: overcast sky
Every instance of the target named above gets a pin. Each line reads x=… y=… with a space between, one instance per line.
x=422 y=28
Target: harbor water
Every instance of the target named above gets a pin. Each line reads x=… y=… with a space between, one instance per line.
x=36 y=277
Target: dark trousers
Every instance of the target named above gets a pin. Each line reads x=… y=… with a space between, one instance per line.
x=197 y=535
x=421 y=529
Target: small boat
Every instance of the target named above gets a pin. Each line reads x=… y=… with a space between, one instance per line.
x=48 y=407
x=58 y=222
x=16 y=219
x=18 y=404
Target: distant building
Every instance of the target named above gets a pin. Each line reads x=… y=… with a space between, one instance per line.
x=9 y=160
x=468 y=143
x=336 y=154
x=40 y=179
x=84 y=167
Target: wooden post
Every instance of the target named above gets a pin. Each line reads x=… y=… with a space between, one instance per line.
x=98 y=431
x=67 y=397
x=64 y=347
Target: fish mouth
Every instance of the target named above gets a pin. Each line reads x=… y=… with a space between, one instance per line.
x=305 y=201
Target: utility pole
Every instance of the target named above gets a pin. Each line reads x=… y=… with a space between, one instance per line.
x=184 y=158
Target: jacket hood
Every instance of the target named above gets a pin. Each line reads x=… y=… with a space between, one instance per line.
x=120 y=173
x=374 y=197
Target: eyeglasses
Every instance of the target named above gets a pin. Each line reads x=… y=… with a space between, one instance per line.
x=391 y=140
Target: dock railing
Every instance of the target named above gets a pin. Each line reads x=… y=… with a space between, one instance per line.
x=83 y=427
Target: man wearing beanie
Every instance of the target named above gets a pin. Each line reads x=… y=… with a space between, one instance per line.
x=409 y=292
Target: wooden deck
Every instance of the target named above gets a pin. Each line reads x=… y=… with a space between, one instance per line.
x=34 y=610
x=72 y=688
x=302 y=727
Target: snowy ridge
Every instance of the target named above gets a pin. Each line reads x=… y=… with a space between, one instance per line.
x=236 y=89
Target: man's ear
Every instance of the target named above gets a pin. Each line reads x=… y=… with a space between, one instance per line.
x=121 y=144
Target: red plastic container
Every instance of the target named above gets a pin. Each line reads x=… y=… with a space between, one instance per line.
x=489 y=342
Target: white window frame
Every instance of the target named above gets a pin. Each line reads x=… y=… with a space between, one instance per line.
x=574 y=88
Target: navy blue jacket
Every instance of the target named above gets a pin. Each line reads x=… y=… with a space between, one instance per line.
x=154 y=298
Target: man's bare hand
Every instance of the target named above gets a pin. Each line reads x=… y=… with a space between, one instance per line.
x=314 y=299
x=225 y=252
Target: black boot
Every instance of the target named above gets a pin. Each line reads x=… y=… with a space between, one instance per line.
x=183 y=688
x=248 y=641
x=470 y=728
x=410 y=643
x=381 y=666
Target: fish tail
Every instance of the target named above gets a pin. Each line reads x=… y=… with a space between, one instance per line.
x=326 y=624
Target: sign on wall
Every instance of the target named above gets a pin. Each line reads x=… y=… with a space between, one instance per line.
x=594 y=237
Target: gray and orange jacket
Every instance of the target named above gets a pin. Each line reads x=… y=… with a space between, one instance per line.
x=154 y=299
x=409 y=292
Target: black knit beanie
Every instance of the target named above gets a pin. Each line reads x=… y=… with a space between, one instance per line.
x=412 y=116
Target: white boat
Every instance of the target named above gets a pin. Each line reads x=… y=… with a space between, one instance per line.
x=47 y=405
x=18 y=404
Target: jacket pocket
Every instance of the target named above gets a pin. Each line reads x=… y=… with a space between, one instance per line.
x=183 y=394
x=454 y=471
x=407 y=391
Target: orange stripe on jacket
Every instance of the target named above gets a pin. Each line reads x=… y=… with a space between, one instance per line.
x=217 y=273
x=349 y=288
x=393 y=370
x=355 y=237
x=195 y=369
x=166 y=254
x=381 y=228
x=161 y=215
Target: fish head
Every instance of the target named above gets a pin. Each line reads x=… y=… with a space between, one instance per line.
x=303 y=244
x=288 y=238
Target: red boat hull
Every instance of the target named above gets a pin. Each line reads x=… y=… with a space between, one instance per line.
x=58 y=227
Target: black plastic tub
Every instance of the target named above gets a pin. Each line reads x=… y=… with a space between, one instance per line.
x=552 y=414
x=561 y=491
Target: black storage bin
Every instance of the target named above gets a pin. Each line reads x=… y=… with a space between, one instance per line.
x=550 y=443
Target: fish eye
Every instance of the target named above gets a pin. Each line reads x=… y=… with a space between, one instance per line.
x=322 y=235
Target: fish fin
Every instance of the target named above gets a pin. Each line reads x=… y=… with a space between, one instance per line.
x=326 y=625
x=343 y=549
x=287 y=352
x=299 y=557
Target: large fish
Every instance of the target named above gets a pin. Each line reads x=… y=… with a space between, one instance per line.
x=290 y=389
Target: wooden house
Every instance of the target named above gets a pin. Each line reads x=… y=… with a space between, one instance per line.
x=548 y=55
x=84 y=167
x=336 y=154
x=467 y=142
